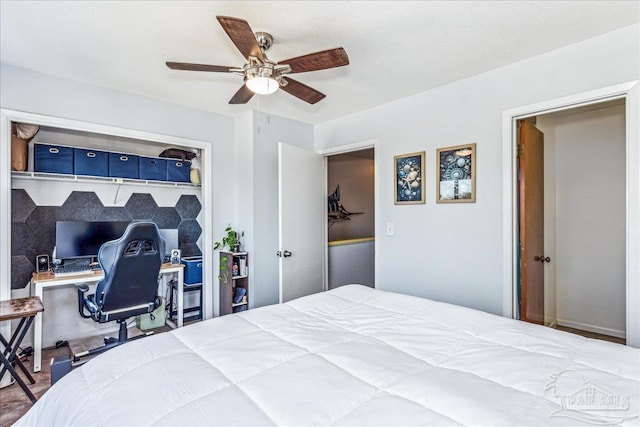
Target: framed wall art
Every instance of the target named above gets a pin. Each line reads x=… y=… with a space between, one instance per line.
x=409 y=175
x=456 y=174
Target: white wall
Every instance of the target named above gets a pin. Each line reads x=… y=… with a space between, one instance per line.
x=453 y=252
x=351 y=263
x=590 y=220
x=241 y=190
x=33 y=92
x=264 y=273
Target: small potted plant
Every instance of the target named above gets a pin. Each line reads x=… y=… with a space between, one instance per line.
x=230 y=240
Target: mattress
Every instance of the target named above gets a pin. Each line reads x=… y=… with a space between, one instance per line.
x=348 y=357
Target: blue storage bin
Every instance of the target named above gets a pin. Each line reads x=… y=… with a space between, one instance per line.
x=53 y=158
x=123 y=165
x=153 y=168
x=90 y=162
x=192 y=269
x=178 y=170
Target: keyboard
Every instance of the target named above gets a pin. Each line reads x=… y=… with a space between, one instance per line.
x=75 y=269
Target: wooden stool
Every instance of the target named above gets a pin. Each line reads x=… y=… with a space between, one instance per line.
x=24 y=309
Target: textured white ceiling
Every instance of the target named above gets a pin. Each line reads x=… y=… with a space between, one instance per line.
x=395 y=48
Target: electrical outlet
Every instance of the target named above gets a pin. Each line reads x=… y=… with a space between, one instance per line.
x=391 y=229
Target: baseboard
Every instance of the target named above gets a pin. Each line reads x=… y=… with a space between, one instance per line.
x=591 y=328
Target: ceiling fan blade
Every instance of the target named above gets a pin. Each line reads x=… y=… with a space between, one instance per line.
x=318 y=61
x=242 y=96
x=302 y=91
x=198 y=67
x=242 y=36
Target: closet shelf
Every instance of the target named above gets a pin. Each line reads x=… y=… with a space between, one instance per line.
x=96 y=179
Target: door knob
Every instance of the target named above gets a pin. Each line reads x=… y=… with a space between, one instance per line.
x=285 y=254
x=542 y=258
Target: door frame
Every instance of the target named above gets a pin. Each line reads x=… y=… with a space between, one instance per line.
x=630 y=91
x=356 y=146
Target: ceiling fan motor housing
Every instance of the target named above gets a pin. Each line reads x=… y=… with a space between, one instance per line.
x=256 y=68
x=267 y=69
x=265 y=40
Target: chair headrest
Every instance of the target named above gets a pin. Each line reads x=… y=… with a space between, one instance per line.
x=139 y=236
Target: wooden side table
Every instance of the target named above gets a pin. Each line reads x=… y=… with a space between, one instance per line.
x=24 y=309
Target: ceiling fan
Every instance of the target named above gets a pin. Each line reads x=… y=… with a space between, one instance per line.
x=262 y=75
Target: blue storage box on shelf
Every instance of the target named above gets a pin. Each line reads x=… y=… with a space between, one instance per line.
x=178 y=170
x=153 y=168
x=90 y=162
x=53 y=158
x=123 y=165
x=192 y=270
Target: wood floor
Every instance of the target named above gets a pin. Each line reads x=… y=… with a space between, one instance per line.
x=14 y=403
x=593 y=335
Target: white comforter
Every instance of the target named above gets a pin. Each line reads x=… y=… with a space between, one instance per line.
x=351 y=356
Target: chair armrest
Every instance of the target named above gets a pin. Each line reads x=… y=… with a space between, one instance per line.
x=82 y=289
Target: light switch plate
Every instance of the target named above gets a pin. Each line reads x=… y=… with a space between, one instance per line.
x=391 y=229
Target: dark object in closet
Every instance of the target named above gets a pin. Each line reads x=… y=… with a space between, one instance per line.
x=178 y=153
x=337 y=212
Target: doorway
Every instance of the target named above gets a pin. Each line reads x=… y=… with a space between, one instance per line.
x=630 y=92
x=303 y=221
x=362 y=146
x=572 y=218
x=351 y=218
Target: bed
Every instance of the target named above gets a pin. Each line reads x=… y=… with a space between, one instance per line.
x=351 y=356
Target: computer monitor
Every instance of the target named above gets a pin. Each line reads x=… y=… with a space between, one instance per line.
x=82 y=239
x=170 y=236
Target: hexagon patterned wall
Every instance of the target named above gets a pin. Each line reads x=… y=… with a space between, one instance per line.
x=33 y=228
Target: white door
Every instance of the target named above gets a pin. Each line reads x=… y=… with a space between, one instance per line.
x=302 y=206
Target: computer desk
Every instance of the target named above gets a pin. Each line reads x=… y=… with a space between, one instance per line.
x=40 y=281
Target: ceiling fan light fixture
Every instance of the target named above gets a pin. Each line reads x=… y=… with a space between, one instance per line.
x=262 y=85
x=261 y=79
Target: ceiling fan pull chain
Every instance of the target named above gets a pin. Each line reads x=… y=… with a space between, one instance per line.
x=258 y=121
x=268 y=112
